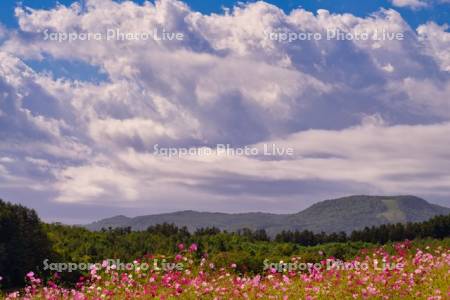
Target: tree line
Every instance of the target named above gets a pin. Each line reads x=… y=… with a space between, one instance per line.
x=438 y=227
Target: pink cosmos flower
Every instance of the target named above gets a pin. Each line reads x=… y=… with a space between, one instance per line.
x=193 y=248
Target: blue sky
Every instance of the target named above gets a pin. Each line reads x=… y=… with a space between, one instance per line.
x=79 y=121
x=439 y=12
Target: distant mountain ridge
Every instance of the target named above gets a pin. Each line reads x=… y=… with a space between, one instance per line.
x=343 y=214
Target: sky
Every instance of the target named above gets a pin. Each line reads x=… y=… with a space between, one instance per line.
x=96 y=127
x=415 y=12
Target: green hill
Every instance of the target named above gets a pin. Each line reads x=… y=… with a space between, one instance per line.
x=356 y=212
x=343 y=214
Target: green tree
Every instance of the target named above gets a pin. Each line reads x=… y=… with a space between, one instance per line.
x=24 y=245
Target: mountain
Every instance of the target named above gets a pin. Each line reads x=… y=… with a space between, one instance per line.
x=343 y=214
x=193 y=220
x=356 y=212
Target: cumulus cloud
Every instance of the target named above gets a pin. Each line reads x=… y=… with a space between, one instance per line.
x=438 y=42
x=363 y=115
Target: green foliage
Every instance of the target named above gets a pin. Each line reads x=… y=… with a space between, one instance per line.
x=23 y=243
x=76 y=244
x=437 y=227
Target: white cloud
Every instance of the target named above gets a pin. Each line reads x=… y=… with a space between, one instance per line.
x=426 y=95
x=96 y=182
x=414 y=4
x=396 y=159
x=6 y=159
x=438 y=41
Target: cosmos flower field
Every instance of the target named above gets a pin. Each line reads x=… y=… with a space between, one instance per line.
x=401 y=271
